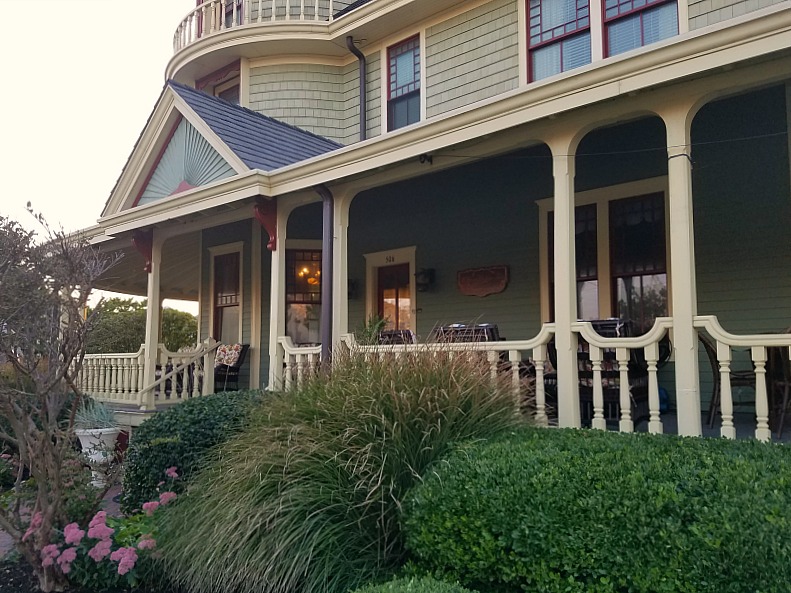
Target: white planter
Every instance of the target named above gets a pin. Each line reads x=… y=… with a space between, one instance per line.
x=98 y=444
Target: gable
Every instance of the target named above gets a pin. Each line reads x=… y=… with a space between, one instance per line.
x=187 y=161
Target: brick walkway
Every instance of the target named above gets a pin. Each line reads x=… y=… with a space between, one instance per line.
x=108 y=504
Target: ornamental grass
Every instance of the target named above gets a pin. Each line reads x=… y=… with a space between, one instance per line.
x=308 y=497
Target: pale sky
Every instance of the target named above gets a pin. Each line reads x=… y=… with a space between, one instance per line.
x=80 y=80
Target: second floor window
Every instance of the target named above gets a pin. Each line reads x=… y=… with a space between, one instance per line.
x=559 y=37
x=630 y=24
x=403 y=97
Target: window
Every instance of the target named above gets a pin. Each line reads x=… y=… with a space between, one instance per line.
x=638 y=261
x=223 y=83
x=227 y=298
x=403 y=97
x=559 y=38
x=634 y=23
x=631 y=231
x=303 y=295
x=394 y=300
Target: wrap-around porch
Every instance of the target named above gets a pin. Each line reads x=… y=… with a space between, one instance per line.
x=571 y=207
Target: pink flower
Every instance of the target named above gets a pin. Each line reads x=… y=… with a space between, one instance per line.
x=73 y=534
x=172 y=472
x=98 y=519
x=100 y=550
x=49 y=553
x=147 y=543
x=126 y=558
x=66 y=558
x=150 y=507
x=100 y=531
x=35 y=523
x=167 y=497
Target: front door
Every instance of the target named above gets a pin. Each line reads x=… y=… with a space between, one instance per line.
x=393 y=296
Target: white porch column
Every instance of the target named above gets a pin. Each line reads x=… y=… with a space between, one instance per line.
x=565 y=281
x=256 y=313
x=340 y=311
x=153 y=317
x=277 y=300
x=678 y=121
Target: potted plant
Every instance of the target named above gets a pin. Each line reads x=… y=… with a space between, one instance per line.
x=97 y=429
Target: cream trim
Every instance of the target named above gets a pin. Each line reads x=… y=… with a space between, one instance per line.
x=208 y=134
x=237 y=247
x=256 y=300
x=317 y=59
x=391 y=257
x=521 y=31
x=244 y=82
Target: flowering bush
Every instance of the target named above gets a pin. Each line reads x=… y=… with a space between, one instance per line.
x=107 y=553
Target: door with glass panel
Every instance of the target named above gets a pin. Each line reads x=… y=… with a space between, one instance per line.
x=393 y=296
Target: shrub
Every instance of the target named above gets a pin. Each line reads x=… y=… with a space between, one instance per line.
x=308 y=497
x=414 y=585
x=180 y=437
x=589 y=511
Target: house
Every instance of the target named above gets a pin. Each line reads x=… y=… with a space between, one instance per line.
x=534 y=164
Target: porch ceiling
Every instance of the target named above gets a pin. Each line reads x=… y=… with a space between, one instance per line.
x=180 y=270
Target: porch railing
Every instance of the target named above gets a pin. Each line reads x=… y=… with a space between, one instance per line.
x=625 y=348
x=215 y=16
x=757 y=345
x=119 y=378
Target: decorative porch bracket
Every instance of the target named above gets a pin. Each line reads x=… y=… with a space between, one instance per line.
x=143 y=241
x=266 y=215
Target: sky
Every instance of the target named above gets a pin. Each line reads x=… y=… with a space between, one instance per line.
x=80 y=80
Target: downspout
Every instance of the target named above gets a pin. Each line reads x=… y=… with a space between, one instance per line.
x=325 y=327
x=361 y=58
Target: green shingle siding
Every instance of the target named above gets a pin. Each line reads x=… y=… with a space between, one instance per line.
x=708 y=12
x=472 y=57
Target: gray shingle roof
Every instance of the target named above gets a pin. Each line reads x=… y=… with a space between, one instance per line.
x=261 y=142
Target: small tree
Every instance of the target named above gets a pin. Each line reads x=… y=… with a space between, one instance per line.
x=121 y=327
x=44 y=288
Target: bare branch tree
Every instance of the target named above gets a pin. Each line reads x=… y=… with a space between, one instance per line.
x=44 y=290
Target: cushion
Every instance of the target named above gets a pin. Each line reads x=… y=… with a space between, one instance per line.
x=227 y=354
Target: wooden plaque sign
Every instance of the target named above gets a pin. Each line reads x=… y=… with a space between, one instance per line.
x=481 y=282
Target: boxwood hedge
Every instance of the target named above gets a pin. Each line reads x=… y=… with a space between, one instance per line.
x=180 y=436
x=414 y=585
x=573 y=511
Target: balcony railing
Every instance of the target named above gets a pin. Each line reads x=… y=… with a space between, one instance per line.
x=215 y=16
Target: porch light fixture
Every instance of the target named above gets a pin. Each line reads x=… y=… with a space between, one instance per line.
x=424 y=279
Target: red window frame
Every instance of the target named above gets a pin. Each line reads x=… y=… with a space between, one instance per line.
x=403 y=92
x=538 y=38
x=624 y=9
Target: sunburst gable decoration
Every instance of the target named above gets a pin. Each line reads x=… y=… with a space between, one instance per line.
x=188 y=161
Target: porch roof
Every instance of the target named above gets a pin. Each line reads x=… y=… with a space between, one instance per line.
x=261 y=142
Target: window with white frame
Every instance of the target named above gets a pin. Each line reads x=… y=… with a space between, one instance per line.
x=559 y=38
x=629 y=24
x=403 y=94
x=621 y=259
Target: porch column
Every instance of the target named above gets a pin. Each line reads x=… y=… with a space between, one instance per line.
x=277 y=307
x=565 y=281
x=153 y=317
x=678 y=120
x=340 y=309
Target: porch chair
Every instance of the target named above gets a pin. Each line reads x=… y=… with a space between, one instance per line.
x=227 y=363
x=739 y=378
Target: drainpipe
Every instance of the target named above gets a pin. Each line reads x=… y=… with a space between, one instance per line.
x=361 y=58
x=326 y=272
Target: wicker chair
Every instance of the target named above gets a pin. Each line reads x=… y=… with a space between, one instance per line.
x=226 y=377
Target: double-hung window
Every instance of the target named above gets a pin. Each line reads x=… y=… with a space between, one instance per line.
x=630 y=24
x=559 y=37
x=403 y=96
